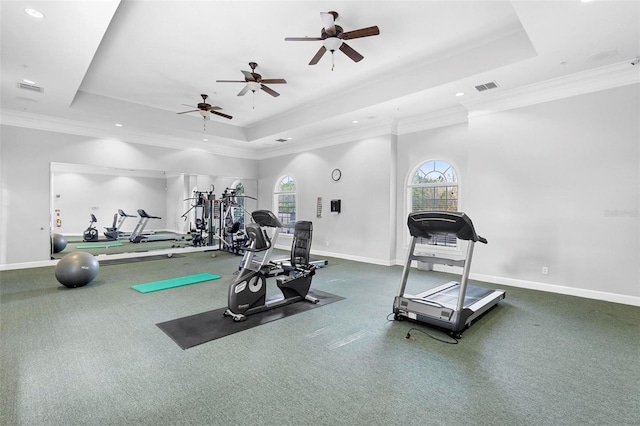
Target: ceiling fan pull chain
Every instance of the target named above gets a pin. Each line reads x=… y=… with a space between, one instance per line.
x=333 y=60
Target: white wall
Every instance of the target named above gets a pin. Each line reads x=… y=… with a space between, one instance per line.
x=554 y=184
x=25 y=157
x=77 y=195
x=361 y=231
x=543 y=184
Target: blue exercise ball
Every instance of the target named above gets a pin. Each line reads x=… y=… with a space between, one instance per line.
x=58 y=242
x=77 y=269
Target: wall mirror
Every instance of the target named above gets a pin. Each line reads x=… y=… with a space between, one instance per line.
x=81 y=193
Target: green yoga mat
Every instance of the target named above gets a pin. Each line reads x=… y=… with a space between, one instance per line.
x=174 y=282
x=90 y=246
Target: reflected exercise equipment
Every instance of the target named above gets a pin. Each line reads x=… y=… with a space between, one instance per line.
x=137 y=235
x=113 y=233
x=202 y=229
x=231 y=212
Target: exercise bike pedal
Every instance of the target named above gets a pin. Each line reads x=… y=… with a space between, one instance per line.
x=236 y=317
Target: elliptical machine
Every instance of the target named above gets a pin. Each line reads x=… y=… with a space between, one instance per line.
x=247 y=294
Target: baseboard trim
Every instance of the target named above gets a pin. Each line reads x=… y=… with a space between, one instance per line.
x=550 y=288
x=559 y=289
x=54 y=262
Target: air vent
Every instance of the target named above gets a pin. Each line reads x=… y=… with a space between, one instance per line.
x=487 y=86
x=281 y=140
x=31 y=87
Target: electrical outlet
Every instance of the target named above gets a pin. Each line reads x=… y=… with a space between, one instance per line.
x=545 y=270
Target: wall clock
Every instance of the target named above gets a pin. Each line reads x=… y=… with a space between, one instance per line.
x=336 y=174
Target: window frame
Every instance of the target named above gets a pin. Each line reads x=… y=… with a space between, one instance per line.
x=277 y=192
x=409 y=186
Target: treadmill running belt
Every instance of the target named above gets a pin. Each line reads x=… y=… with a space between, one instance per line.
x=449 y=297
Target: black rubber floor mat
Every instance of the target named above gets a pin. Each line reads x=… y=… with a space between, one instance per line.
x=201 y=328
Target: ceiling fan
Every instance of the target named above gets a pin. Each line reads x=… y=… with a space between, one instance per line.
x=254 y=81
x=205 y=109
x=333 y=36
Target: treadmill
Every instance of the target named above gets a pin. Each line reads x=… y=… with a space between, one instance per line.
x=138 y=235
x=453 y=306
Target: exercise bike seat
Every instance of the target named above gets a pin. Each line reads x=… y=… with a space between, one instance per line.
x=258 y=241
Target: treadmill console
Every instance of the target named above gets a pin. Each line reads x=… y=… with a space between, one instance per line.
x=428 y=223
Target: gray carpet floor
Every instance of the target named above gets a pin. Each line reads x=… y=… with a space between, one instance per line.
x=94 y=356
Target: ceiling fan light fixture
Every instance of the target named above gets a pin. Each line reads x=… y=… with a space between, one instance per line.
x=332 y=43
x=35 y=13
x=253 y=85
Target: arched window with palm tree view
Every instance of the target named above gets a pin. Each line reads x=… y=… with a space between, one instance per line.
x=434 y=187
x=284 y=200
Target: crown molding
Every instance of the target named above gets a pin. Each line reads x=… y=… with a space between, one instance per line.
x=594 y=80
x=602 y=78
x=380 y=128
x=434 y=120
x=77 y=128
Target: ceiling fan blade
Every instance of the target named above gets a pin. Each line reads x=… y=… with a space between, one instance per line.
x=319 y=54
x=328 y=23
x=195 y=110
x=274 y=81
x=363 y=32
x=269 y=91
x=302 y=39
x=211 y=108
x=222 y=115
x=347 y=50
x=244 y=90
x=229 y=81
x=248 y=75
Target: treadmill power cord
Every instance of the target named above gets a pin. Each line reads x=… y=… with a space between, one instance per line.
x=413 y=339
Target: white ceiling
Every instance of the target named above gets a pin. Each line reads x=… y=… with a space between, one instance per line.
x=138 y=63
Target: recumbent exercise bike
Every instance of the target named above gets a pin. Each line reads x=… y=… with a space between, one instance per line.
x=248 y=293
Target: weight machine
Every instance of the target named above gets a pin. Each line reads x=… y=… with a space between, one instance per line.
x=231 y=214
x=202 y=229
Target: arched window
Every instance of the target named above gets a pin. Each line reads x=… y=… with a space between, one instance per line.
x=434 y=186
x=284 y=200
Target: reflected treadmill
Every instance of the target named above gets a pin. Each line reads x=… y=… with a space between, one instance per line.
x=452 y=306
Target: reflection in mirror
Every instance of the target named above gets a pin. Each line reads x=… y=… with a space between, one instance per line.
x=111 y=211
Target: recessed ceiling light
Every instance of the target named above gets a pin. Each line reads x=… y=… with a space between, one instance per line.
x=289 y=139
x=26 y=80
x=460 y=94
x=205 y=140
x=34 y=13
x=355 y=122
x=118 y=125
